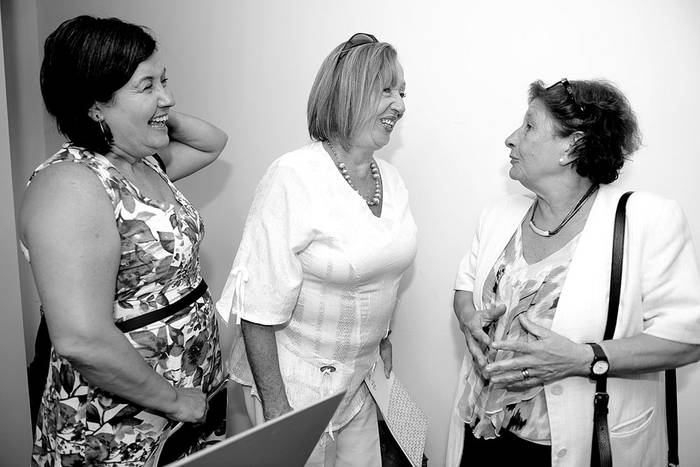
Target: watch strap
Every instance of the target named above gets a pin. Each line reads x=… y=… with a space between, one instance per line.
x=598 y=352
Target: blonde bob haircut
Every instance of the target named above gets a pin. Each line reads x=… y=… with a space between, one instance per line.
x=347 y=90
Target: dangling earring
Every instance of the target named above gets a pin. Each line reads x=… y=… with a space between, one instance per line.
x=562 y=161
x=106 y=132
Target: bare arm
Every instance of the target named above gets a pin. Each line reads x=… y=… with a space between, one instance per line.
x=261 y=347
x=645 y=353
x=67 y=223
x=194 y=144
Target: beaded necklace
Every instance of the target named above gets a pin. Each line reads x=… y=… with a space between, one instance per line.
x=567 y=218
x=342 y=168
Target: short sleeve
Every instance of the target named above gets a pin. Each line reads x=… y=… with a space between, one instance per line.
x=264 y=282
x=671 y=279
x=466 y=274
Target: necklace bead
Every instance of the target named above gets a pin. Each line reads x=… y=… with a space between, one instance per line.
x=374 y=170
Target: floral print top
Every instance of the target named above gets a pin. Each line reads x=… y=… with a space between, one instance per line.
x=80 y=424
x=532 y=289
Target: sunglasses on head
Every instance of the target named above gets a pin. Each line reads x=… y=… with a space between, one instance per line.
x=361 y=38
x=569 y=91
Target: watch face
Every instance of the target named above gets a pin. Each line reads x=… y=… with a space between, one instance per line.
x=600 y=367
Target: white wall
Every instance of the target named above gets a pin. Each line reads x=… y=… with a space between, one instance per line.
x=248 y=66
x=15 y=435
x=27 y=129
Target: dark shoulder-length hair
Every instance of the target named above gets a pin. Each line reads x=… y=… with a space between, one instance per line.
x=603 y=117
x=347 y=89
x=86 y=60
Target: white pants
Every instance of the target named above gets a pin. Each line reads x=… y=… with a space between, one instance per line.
x=354 y=445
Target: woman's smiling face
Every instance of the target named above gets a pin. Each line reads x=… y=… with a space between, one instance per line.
x=137 y=115
x=376 y=132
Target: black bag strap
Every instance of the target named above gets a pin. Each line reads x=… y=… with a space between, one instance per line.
x=672 y=417
x=616 y=267
x=601 y=453
x=38 y=369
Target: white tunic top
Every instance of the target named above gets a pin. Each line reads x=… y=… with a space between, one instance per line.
x=317 y=264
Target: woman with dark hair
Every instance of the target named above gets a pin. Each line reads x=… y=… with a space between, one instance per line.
x=114 y=252
x=532 y=296
x=327 y=240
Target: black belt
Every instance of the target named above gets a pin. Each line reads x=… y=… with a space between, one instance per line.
x=162 y=313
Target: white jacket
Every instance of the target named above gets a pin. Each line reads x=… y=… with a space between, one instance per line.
x=660 y=296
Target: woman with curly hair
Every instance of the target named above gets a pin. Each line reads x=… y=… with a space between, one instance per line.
x=532 y=296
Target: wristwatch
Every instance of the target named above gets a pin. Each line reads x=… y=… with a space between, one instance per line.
x=600 y=364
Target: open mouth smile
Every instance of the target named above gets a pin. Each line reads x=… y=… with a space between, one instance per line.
x=158 y=122
x=388 y=122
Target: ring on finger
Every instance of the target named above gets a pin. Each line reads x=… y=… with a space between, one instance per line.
x=525 y=373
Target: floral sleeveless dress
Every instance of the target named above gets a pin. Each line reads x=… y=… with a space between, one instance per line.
x=80 y=424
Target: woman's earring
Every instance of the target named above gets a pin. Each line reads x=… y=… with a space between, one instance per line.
x=106 y=132
x=562 y=161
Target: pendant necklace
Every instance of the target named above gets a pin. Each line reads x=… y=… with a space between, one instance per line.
x=567 y=218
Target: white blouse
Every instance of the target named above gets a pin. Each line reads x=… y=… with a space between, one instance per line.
x=316 y=264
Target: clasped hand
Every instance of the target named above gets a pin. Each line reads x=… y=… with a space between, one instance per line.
x=548 y=358
x=190 y=406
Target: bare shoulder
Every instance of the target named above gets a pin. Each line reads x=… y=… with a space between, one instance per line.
x=65 y=198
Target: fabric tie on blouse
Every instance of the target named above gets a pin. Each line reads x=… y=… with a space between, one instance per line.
x=326 y=389
x=233 y=300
